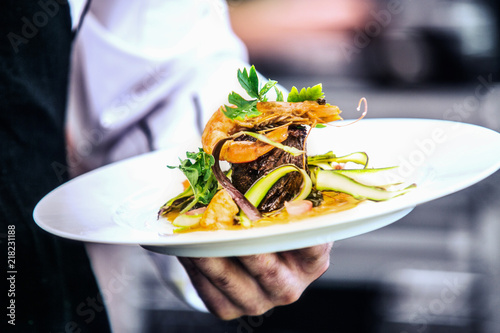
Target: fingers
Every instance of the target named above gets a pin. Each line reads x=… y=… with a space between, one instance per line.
x=284 y=276
x=279 y=282
x=251 y=285
x=225 y=287
x=313 y=260
x=214 y=300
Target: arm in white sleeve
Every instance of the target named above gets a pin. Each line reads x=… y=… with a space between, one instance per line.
x=157 y=66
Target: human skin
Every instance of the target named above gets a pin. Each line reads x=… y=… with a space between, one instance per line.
x=232 y=287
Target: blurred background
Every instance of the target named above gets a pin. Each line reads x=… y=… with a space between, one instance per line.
x=437 y=269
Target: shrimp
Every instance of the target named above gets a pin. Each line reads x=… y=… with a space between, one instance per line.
x=274 y=115
x=220 y=127
x=248 y=151
x=300 y=113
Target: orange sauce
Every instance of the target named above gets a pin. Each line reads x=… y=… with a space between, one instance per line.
x=332 y=202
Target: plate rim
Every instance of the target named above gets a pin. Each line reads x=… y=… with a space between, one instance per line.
x=210 y=241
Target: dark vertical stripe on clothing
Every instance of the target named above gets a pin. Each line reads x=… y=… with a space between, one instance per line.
x=54 y=282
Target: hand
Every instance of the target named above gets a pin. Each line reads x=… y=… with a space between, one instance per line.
x=251 y=285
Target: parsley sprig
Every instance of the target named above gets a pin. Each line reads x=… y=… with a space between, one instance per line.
x=249 y=80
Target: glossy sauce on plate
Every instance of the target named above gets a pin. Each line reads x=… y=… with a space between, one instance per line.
x=332 y=202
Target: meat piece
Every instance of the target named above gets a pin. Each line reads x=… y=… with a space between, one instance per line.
x=245 y=174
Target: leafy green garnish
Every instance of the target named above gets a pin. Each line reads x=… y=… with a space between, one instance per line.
x=306 y=94
x=249 y=80
x=279 y=95
x=243 y=108
x=198 y=170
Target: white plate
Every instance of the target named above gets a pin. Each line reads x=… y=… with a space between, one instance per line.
x=118 y=203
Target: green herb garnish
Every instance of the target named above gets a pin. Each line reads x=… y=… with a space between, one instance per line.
x=279 y=95
x=198 y=170
x=248 y=108
x=243 y=107
x=306 y=94
x=249 y=80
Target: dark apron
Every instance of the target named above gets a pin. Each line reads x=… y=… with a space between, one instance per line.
x=53 y=288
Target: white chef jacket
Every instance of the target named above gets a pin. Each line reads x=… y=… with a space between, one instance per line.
x=148 y=75
x=145 y=75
